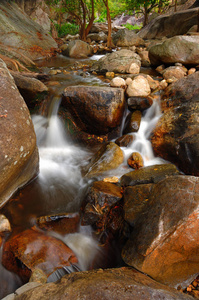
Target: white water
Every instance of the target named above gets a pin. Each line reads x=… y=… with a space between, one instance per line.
x=141 y=142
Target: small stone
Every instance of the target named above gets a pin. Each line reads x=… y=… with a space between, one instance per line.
x=4 y=224
x=191 y=71
x=112 y=179
x=128 y=81
x=163 y=84
x=160 y=69
x=110 y=74
x=135 y=161
x=53 y=72
x=38 y=276
x=134 y=69
x=118 y=82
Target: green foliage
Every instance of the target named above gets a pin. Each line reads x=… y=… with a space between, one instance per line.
x=132 y=27
x=67 y=28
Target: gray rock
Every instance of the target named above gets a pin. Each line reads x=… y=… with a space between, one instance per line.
x=78 y=49
x=126 y=38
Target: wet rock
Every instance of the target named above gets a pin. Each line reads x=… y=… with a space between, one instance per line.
x=174 y=73
x=163 y=84
x=19 y=154
x=183 y=49
x=154 y=84
x=117 y=62
x=38 y=276
x=138 y=87
x=19 y=32
x=108 y=157
x=77 y=49
x=175 y=137
x=126 y=38
x=169 y=25
x=139 y=103
x=133 y=122
x=4 y=224
x=151 y=174
x=95 y=110
x=98 y=201
x=136 y=201
x=164 y=242
x=125 y=140
x=135 y=161
x=118 y=82
x=121 y=283
x=191 y=71
x=63 y=224
x=32 y=249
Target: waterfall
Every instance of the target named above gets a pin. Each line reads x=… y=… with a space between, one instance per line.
x=141 y=142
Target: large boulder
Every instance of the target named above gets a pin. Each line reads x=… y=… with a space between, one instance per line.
x=19 y=155
x=176 y=136
x=96 y=110
x=126 y=38
x=18 y=31
x=170 y=25
x=121 y=283
x=117 y=62
x=181 y=49
x=77 y=49
x=164 y=242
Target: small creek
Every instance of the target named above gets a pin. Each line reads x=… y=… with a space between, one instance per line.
x=60 y=186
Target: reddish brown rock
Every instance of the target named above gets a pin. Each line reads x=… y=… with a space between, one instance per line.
x=19 y=155
x=120 y=283
x=135 y=160
x=176 y=136
x=98 y=201
x=165 y=242
x=63 y=224
x=139 y=103
x=32 y=249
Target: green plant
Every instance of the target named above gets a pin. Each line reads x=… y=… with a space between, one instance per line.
x=67 y=28
x=132 y=27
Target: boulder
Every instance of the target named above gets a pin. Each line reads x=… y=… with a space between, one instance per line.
x=35 y=250
x=125 y=140
x=126 y=38
x=164 y=242
x=98 y=201
x=151 y=174
x=96 y=110
x=121 y=283
x=176 y=135
x=78 y=49
x=19 y=155
x=117 y=62
x=18 y=31
x=118 y=82
x=135 y=161
x=138 y=87
x=174 y=73
x=97 y=37
x=178 y=49
x=170 y=25
x=107 y=158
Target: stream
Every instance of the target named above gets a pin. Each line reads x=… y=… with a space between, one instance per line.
x=60 y=186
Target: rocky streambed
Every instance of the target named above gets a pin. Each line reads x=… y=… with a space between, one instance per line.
x=115 y=199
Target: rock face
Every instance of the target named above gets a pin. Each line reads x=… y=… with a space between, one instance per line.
x=118 y=62
x=78 y=49
x=170 y=25
x=164 y=242
x=126 y=38
x=19 y=156
x=176 y=136
x=95 y=110
x=181 y=49
x=20 y=32
x=121 y=283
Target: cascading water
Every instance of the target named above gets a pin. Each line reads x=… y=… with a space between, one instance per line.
x=141 y=142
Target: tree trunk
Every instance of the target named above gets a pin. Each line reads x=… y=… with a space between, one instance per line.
x=109 y=38
x=198 y=22
x=146 y=16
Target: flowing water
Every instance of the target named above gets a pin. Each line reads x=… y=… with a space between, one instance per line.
x=59 y=186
